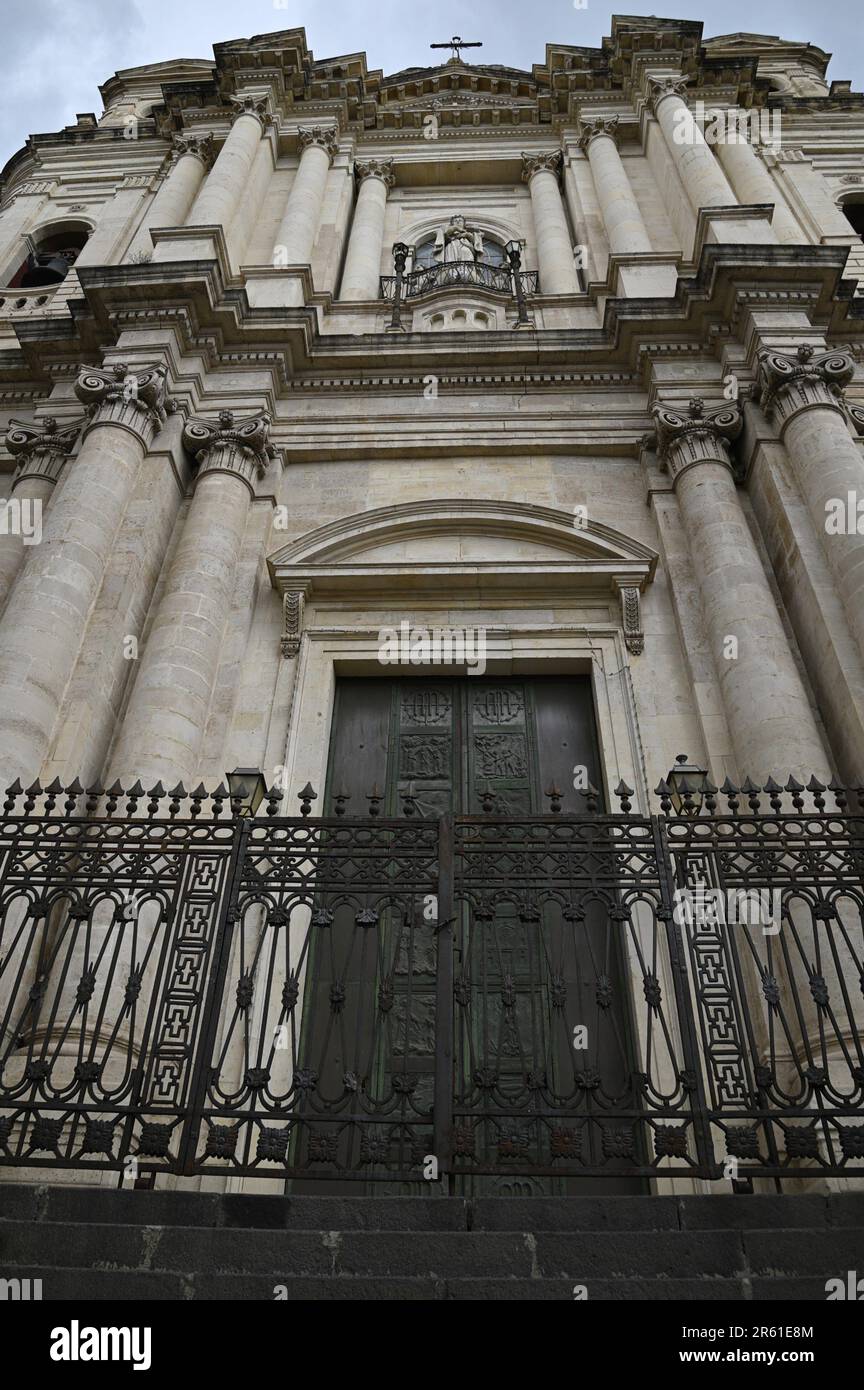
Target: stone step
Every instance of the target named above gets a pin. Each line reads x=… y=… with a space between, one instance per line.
x=34 y=1203
x=574 y=1255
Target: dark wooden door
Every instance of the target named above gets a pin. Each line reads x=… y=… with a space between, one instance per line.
x=444 y=743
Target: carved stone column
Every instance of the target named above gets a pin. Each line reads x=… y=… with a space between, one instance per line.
x=802 y=393
x=193 y=157
x=167 y=712
x=44 y=621
x=752 y=183
x=556 y=262
x=767 y=708
x=302 y=216
x=363 y=261
x=704 y=181
x=42 y=449
x=225 y=185
x=622 y=219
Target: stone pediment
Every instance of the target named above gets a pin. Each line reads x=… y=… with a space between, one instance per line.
x=461 y=545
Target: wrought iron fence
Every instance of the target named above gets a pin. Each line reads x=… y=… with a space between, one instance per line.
x=498 y=278
x=376 y=1000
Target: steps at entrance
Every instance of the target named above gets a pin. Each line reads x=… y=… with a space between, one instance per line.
x=95 y=1243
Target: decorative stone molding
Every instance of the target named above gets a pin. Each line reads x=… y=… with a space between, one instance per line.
x=42 y=447
x=375 y=169
x=598 y=125
x=856 y=416
x=251 y=106
x=788 y=383
x=293 y=605
x=696 y=436
x=202 y=146
x=549 y=162
x=661 y=87
x=135 y=400
x=631 y=617
x=323 y=136
x=33 y=188
x=224 y=446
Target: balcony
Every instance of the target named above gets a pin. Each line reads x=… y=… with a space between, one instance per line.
x=499 y=279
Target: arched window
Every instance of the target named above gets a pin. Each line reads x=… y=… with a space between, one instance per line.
x=49 y=258
x=853 y=211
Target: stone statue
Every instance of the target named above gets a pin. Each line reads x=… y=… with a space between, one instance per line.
x=458 y=242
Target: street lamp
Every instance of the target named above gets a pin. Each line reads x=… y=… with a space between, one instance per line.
x=248 y=788
x=686 y=786
x=514 y=256
x=401 y=252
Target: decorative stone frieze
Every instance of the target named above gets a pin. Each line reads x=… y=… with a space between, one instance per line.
x=631 y=617
x=135 y=400
x=228 y=446
x=788 y=383
x=41 y=448
x=322 y=136
x=697 y=435
x=375 y=169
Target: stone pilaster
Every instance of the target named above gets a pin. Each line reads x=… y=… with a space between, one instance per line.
x=767 y=708
x=192 y=157
x=555 y=258
x=802 y=393
x=363 y=261
x=41 y=450
x=43 y=624
x=167 y=712
x=302 y=216
x=622 y=219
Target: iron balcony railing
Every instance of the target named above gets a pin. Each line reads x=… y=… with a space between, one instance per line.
x=389 y=999
x=499 y=279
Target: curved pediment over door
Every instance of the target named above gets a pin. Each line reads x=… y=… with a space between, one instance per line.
x=458 y=549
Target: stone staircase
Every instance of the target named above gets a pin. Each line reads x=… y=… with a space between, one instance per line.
x=97 y=1243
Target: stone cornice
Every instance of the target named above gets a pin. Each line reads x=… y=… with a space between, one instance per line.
x=788 y=383
x=41 y=447
x=226 y=445
x=132 y=399
x=697 y=435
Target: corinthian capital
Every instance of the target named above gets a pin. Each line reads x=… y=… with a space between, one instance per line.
x=225 y=445
x=322 y=136
x=598 y=125
x=251 y=106
x=42 y=447
x=788 y=383
x=133 y=400
x=661 y=87
x=698 y=435
x=199 y=145
x=532 y=164
x=375 y=169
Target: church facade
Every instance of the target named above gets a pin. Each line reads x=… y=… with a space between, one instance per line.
x=467 y=442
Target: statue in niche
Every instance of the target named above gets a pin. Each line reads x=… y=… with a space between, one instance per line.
x=458 y=242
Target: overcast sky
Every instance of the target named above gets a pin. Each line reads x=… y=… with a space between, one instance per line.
x=58 y=51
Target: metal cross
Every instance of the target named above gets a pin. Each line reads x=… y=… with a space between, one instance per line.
x=456 y=43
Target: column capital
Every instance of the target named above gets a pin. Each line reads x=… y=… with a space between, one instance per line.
x=249 y=105
x=549 y=162
x=322 y=136
x=201 y=146
x=790 y=382
x=697 y=435
x=42 y=446
x=661 y=87
x=226 y=445
x=598 y=125
x=135 y=400
x=375 y=169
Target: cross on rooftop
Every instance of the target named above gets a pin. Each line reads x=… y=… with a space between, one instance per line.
x=456 y=43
